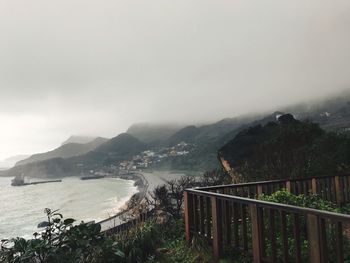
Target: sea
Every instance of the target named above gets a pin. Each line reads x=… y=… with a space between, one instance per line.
x=22 y=207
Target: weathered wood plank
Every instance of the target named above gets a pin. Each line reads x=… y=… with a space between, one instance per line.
x=284 y=237
x=313 y=238
x=188 y=200
x=296 y=231
x=217 y=237
x=257 y=257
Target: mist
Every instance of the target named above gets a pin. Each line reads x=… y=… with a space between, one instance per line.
x=96 y=67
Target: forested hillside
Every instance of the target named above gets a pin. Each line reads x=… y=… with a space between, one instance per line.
x=66 y=150
x=114 y=150
x=287 y=148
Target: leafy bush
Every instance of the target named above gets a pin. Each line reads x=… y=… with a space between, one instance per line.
x=139 y=242
x=174 y=247
x=62 y=242
x=170 y=196
x=311 y=201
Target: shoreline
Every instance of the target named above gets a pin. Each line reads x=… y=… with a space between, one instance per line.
x=72 y=197
x=150 y=180
x=140 y=195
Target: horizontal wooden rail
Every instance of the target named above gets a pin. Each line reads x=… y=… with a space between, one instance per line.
x=269 y=182
x=266 y=204
x=233 y=221
x=331 y=188
x=141 y=218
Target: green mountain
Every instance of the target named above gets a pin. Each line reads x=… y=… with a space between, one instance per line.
x=333 y=113
x=11 y=161
x=187 y=134
x=119 y=148
x=337 y=120
x=65 y=151
x=56 y=167
x=210 y=132
x=153 y=133
x=79 y=139
x=286 y=148
x=208 y=139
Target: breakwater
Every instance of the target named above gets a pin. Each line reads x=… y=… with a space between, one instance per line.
x=16 y=182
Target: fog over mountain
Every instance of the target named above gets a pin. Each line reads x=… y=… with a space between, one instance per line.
x=96 y=67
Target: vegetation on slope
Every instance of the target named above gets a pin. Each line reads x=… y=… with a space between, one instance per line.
x=153 y=241
x=287 y=149
x=119 y=148
x=208 y=139
x=311 y=201
x=153 y=134
x=65 y=151
x=62 y=241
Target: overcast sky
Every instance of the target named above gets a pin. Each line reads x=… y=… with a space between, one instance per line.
x=95 y=67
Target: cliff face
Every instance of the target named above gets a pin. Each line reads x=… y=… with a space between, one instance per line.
x=225 y=164
x=236 y=177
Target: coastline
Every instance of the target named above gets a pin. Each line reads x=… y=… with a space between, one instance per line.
x=87 y=201
x=150 y=180
x=142 y=188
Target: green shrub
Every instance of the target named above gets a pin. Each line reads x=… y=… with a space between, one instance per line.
x=139 y=242
x=62 y=242
x=310 y=201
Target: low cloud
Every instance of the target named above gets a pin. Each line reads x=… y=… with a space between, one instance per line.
x=96 y=67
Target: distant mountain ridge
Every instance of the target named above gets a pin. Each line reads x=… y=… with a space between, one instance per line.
x=114 y=150
x=153 y=133
x=11 y=161
x=119 y=148
x=286 y=148
x=208 y=139
x=331 y=114
x=79 y=139
x=65 y=151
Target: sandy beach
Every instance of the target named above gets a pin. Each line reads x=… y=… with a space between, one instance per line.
x=151 y=181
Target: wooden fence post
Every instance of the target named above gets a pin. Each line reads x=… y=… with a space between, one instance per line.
x=216 y=215
x=288 y=186
x=314 y=186
x=314 y=238
x=338 y=190
x=188 y=199
x=256 y=242
x=259 y=189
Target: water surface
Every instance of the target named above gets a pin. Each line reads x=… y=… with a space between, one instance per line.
x=21 y=207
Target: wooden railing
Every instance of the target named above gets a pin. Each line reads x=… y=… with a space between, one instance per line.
x=129 y=224
x=236 y=224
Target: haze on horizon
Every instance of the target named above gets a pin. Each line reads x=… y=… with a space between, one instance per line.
x=95 y=67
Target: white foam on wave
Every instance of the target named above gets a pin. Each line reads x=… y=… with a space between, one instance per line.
x=116 y=204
